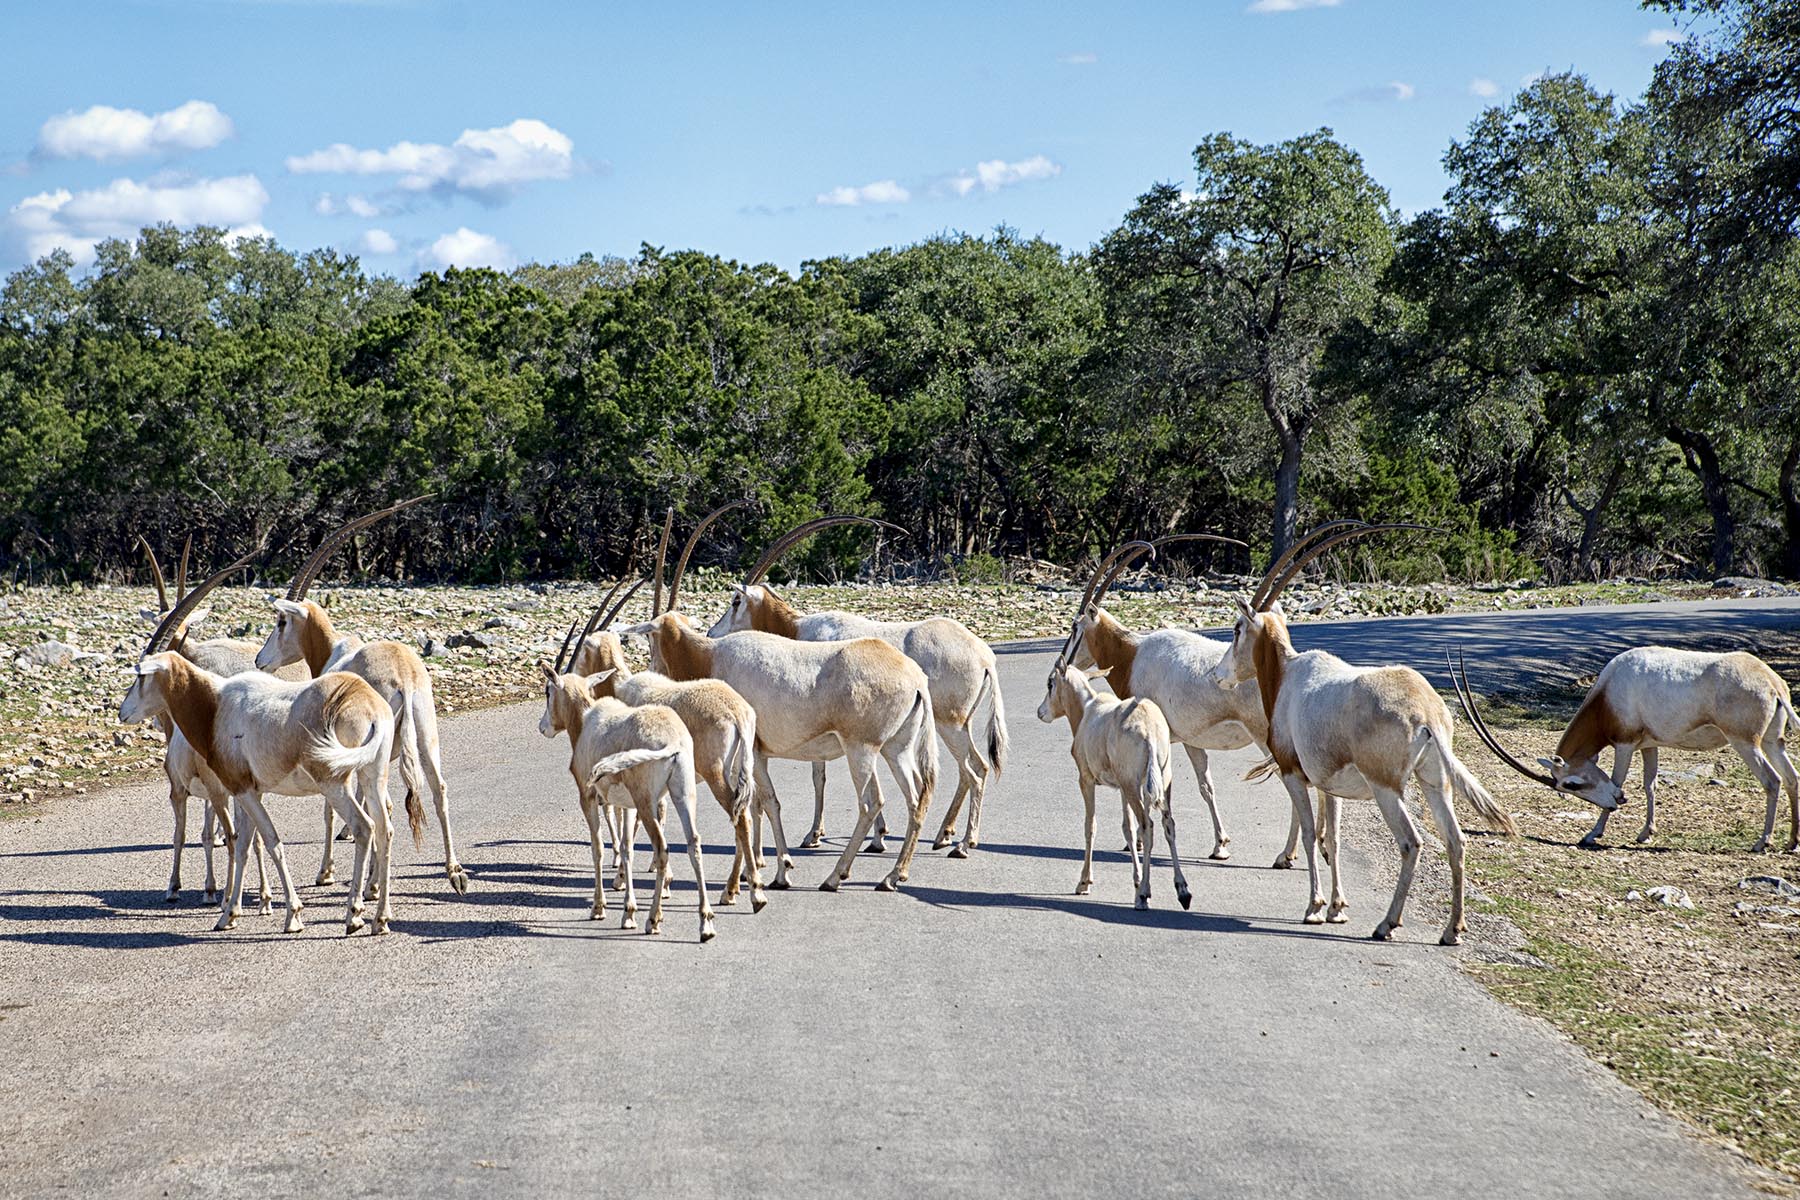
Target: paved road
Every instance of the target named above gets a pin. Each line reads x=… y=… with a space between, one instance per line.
x=984 y=1032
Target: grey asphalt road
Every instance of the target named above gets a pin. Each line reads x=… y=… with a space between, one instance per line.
x=983 y=1032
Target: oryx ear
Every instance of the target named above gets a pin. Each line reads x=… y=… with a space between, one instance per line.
x=291 y=608
x=548 y=670
x=1099 y=672
x=1552 y=765
x=197 y=616
x=1244 y=608
x=596 y=679
x=1275 y=609
x=153 y=664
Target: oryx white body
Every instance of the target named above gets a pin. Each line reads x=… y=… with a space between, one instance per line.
x=1655 y=697
x=723 y=726
x=304 y=633
x=1122 y=744
x=645 y=752
x=1356 y=733
x=964 y=683
x=1175 y=668
x=815 y=701
x=260 y=735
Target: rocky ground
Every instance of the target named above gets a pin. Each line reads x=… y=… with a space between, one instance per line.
x=65 y=651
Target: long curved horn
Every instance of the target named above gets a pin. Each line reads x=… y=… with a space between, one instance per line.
x=600 y=618
x=562 y=652
x=1299 y=544
x=162 y=587
x=662 y=558
x=310 y=571
x=1320 y=545
x=804 y=530
x=191 y=601
x=1117 y=560
x=187 y=548
x=612 y=614
x=1459 y=678
x=687 y=550
x=1172 y=538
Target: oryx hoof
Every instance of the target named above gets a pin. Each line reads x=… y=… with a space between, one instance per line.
x=758 y=902
x=812 y=841
x=1451 y=938
x=630 y=921
x=1594 y=844
x=346 y=834
x=294 y=923
x=1284 y=863
x=1315 y=914
x=1384 y=932
x=378 y=927
x=707 y=932
x=354 y=925
x=218 y=840
x=173 y=897
x=943 y=839
x=875 y=846
x=1084 y=887
x=1761 y=847
x=889 y=882
x=830 y=885
x=960 y=850
x=1644 y=835
x=459 y=880
x=727 y=899
x=596 y=913
x=210 y=896
x=653 y=928
x=226 y=921
x=1141 y=904
x=1221 y=852
x=780 y=884
x=264 y=907
x=324 y=879
x=1187 y=900
x=1337 y=914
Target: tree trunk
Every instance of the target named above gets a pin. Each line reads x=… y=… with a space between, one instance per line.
x=1290 y=437
x=1790 y=508
x=1698 y=452
x=1593 y=517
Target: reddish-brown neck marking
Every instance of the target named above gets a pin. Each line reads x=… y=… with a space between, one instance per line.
x=682 y=652
x=771 y=614
x=317 y=636
x=1594 y=728
x=1113 y=648
x=1270 y=648
x=193 y=703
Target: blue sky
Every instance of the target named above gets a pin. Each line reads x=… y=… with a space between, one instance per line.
x=418 y=133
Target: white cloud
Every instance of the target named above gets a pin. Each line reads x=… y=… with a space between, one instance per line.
x=1663 y=37
x=253 y=231
x=1393 y=90
x=76 y=221
x=882 y=191
x=466 y=248
x=996 y=173
x=328 y=205
x=1085 y=58
x=380 y=241
x=361 y=206
x=1277 y=6
x=489 y=163
x=1483 y=87
x=104 y=133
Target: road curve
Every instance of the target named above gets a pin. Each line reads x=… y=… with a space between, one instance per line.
x=984 y=1032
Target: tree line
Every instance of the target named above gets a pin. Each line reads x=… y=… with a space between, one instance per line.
x=1585 y=361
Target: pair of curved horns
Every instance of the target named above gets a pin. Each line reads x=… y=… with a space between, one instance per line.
x=662 y=556
x=162 y=587
x=1301 y=554
x=1459 y=678
x=310 y=571
x=1116 y=562
x=806 y=529
x=565 y=657
x=179 y=614
x=687 y=552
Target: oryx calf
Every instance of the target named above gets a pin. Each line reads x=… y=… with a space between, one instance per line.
x=1122 y=744
x=646 y=752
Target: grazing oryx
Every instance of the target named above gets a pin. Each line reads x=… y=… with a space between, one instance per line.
x=817 y=700
x=304 y=633
x=260 y=734
x=188 y=774
x=960 y=666
x=1173 y=667
x=647 y=753
x=1352 y=732
x=1655 y=697
x=1122 y=744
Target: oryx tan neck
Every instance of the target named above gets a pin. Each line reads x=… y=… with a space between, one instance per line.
x=1113 y=648
x=774 y=615
x=193 y=705
x=686 y=653
x=1271 y=648
x=1594 y=728
x=317 y=636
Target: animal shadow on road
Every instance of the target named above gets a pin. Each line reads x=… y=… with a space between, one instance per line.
x=1114 y=913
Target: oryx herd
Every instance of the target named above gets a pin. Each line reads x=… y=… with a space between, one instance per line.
x=312 y=713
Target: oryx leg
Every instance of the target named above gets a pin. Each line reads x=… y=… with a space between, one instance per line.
x=423 y=730
x=684 y=812
x=1221 y=839
x=1085 y=884
x=816 y=834
x=1406 y=838
x=767 y=802
x=1770 y=778
x=659 y=850
x=178 y=798
x=969 y=768
x=1649 y=828
x=1774 y=746
x=899 y=756
x=1309 y=836
x=325 y=874
x=1182 y=894
x=1437 y=796
x=1336 y=911
x=1140 y=873
x=251 y=803
x=1621 y=768
x=591 y=812
x=868 y=793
